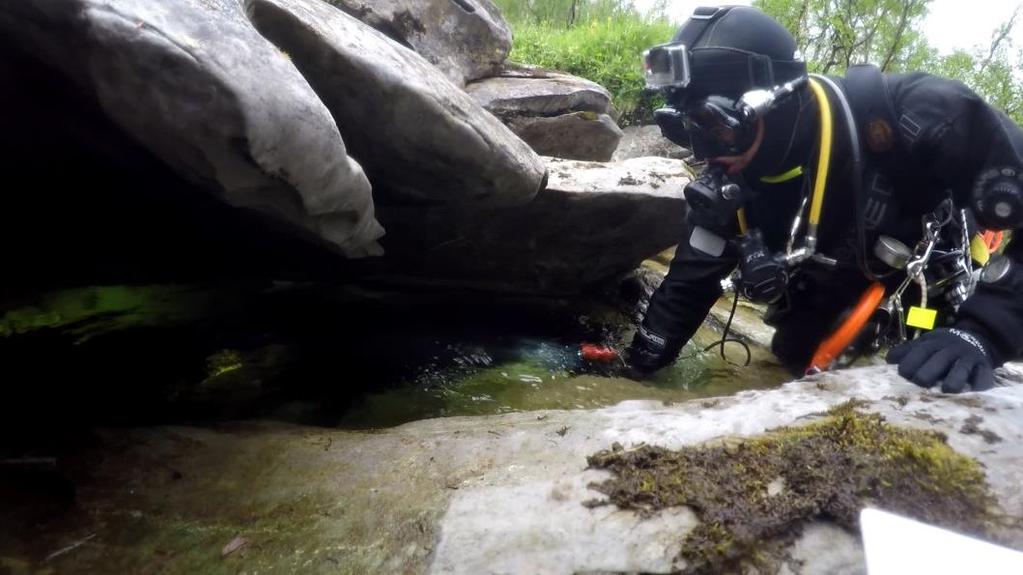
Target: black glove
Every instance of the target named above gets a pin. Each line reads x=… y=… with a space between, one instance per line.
x=672 y=127
x=953 y=356
x=650 y=352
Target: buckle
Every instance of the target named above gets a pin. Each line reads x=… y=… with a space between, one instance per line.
x=709 y=12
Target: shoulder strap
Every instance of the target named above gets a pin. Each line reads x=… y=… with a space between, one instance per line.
x=867 y=91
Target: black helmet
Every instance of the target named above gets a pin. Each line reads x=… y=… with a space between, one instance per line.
x=735 y=49
x=715 y=57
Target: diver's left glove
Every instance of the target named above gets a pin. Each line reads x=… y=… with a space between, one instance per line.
x=953 y=356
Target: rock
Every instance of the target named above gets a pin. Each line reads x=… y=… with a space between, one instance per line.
x=576 y=136
x=641 y=141
x=187 y=80
x=594 y=222
x=465 y=39
x=496 y=494
x=559 y=115
x=419 y=138
x=526 y=91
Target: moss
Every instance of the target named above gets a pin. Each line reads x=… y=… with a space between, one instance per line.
x=91 y=311
x=222 y=362
x=754 y=496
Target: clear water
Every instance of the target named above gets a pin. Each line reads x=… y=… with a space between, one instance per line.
x=325 y=355
x=105 y=357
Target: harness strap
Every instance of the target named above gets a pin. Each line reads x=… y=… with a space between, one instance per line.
x=867 y=91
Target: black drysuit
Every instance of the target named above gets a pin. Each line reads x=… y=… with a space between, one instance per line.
x=948 y=137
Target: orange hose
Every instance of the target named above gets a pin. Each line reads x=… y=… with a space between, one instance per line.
x=835 y=344
x=993 y=240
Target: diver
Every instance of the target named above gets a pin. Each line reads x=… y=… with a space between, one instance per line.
x=825 y=196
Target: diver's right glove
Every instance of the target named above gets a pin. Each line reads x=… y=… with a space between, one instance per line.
x=649 y=352
x=955 y=357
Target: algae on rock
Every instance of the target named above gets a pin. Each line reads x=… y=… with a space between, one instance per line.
x=754 y=496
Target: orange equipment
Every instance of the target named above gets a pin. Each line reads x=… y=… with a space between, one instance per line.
x=832 y=347
x=993 y=240
x=598 y=353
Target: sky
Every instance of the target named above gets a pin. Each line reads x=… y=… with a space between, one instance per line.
x=949 y=25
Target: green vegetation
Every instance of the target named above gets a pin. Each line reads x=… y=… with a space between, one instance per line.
x=90 y=311
x=602 y=40
x=754 y=496
x=833 y=34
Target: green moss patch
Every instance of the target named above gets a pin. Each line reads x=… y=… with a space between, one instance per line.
x=754 y=496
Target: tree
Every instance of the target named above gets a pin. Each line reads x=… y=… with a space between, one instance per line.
x=994 y=72
x=834 y=34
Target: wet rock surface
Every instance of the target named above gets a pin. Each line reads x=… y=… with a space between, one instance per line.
x=460 y=495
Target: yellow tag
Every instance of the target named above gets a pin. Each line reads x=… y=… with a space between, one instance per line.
x=921 y=317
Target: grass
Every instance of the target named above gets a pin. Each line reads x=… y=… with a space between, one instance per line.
x=607 y=51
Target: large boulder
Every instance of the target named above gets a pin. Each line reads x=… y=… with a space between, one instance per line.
x=593 y=223
x=419 y=137
x=465 y=39
x=193 y=82
x=558 y=114
x=494 y=494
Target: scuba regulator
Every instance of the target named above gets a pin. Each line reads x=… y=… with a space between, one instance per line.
x=729 y=127
x=714 y=202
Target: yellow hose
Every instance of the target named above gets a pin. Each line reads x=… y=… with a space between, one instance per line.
x=824 y=161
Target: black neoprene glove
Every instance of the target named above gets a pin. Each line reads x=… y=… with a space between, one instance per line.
x=672 y=127
x=954 y=357
x=650 y=352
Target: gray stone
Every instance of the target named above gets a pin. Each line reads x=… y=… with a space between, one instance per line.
x=419 y=137
x=575 y=136
x=641 y=141
x=193 y=83
x=593 y=223
x=465 y=39
x=528 y=91
x=475 y=532
x=496 y=494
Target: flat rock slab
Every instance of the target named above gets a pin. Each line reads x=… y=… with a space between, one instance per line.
x=594 y=222
x=575 y=136
x=496 y=494
x=537 y=92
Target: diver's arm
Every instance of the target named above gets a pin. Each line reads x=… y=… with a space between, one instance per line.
x=959 y=141
x=679 y=305
x=964 y=141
